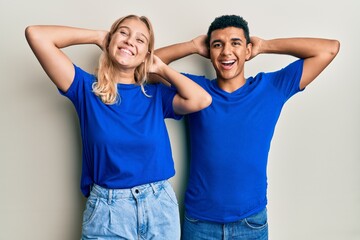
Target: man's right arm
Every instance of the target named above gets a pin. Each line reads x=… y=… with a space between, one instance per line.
x=176 y=51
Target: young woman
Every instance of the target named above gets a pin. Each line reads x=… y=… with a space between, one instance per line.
x=126 y=149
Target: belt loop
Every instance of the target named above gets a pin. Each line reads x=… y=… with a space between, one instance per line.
x=153 y=187
x=110 y=196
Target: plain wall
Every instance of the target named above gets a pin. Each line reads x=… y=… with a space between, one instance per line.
x=314 y=162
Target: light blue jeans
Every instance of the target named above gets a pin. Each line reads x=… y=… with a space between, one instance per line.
x=148 y=211
x=254 y=227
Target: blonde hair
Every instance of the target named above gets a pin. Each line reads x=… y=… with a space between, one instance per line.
x=105 y=87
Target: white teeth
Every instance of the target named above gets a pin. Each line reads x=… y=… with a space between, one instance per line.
x=126 y=51
x=228 y=62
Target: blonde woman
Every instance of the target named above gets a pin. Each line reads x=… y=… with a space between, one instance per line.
x=126 y=149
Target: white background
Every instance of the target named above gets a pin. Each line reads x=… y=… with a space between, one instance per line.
x=314 y=162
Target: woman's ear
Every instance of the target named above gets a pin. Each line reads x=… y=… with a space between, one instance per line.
x=147 y=56
x=107 y=40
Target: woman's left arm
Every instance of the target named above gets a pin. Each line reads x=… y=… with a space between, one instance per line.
x=190 y=96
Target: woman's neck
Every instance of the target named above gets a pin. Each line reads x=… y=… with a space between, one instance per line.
x=125 y=76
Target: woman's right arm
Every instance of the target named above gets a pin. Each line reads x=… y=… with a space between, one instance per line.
x=46 y=43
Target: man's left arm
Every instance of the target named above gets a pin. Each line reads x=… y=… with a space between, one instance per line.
x=316 y=52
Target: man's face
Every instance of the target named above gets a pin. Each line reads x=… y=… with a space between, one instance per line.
x=228 y=53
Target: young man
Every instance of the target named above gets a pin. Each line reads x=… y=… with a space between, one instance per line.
x=230 y=140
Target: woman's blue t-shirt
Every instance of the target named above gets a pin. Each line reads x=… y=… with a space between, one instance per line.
x=125 y=144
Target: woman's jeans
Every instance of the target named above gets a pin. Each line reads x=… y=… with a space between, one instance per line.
x=148 y=211
x=254 y=227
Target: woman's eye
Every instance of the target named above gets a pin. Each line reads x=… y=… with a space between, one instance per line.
x=123 y=33
x=140 y=40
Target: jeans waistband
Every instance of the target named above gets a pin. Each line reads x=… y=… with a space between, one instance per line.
x=134 y=192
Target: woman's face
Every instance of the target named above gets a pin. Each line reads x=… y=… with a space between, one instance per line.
x=129 y=45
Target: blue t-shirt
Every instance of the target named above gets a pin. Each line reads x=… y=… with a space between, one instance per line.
x=125 y=144
x=230 y=142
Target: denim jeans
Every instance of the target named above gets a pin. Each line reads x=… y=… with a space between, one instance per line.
x=148 y=211
x=254 y=227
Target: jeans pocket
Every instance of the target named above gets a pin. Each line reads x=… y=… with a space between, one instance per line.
x=258 y=220
x=190 y=219
x=170 y=193
x=92 y=205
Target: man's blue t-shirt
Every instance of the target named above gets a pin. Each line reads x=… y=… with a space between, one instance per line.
x=230 y=142
x=125 y=144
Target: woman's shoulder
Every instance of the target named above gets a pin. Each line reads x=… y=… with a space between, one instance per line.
x=84 y=76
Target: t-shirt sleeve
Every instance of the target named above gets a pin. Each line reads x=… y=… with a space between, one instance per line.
x=201 y=80
x=167 y=97
x=170 y=92
x=287 y=80
x=77 y=88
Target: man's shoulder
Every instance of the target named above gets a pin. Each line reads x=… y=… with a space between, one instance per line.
x=197 y=78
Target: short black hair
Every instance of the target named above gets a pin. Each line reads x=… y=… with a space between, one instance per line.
x=225 y=21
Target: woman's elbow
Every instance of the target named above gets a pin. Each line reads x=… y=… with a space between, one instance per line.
x=335 y=47
x=31 y=33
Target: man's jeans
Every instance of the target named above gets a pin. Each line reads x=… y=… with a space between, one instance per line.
x=254 y=227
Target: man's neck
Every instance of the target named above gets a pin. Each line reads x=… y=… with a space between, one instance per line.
x=231 y=85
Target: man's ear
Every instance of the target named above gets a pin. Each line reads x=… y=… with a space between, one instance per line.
x=248 y=51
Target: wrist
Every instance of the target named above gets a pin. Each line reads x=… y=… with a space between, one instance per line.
x=192 y=47
x=101 y=38
x=161 y=70
x=268 y=46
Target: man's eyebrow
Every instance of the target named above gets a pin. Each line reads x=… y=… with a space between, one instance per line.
x=232 y=39
x=215 y=41
x=236 y=39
